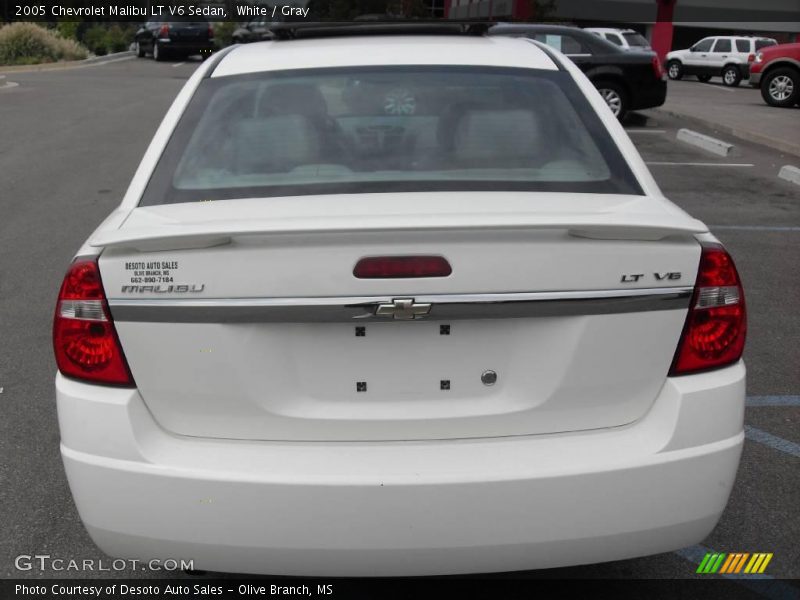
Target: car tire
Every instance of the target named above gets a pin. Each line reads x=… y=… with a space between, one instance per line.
x=704 y=78
x=731 y=76
x=781 y=87
x=615 y=96
x=674 y=69
x=158 y=52
x=138 y=50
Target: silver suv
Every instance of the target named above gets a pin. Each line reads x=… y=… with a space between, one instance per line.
x=718 y=56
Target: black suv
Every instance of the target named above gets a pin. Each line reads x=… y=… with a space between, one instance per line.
x=627 y=80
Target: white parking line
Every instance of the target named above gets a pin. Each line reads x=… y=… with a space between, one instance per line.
x=178 y=64
x=646 y=130
x=698 y=164
x=773 y=441
x=753 y=401
x=711 y=86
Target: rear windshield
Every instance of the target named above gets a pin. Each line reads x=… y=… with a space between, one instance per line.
x=635 y=40
x=351 y=130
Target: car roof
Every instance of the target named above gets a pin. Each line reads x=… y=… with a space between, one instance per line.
x=537 y=27
x=384 y=50
x=610 y=30
x=738 y=37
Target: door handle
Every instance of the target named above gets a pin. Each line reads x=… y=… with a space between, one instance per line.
x=724 y=56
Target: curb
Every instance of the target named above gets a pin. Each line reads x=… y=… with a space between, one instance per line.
x=94 y=59
x=742 y=134
x=790 y=174
x=66 y=64
x=705 y=142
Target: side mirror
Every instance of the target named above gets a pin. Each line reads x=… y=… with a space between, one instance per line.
x=693 y=49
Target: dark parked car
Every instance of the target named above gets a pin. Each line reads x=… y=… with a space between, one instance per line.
x=174 y=36
x=627 y=80
x=254 y=31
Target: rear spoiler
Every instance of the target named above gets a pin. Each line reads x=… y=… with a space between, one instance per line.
x=612 y=226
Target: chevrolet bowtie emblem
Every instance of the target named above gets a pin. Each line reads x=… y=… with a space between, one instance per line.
x=403 y=309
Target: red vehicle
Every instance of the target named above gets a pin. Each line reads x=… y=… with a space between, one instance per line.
x=776 y=70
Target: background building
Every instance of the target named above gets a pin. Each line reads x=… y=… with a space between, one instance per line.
x=668 y=24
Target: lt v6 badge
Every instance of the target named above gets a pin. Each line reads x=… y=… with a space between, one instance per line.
x=667 y=276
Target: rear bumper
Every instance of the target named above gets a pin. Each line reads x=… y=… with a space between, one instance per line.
x=415 y=508
x=650 y=96
x=187 y=46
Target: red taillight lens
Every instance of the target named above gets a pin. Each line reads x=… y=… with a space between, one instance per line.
x=751 y=58
x=84 y=339
x=163 y=31
x=658 y=68
x=716 y=325
x=397 y=267
x=210 y=32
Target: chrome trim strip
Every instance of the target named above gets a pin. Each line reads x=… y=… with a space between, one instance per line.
x=445 y=306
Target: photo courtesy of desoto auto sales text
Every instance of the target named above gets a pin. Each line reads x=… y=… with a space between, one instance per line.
x=392 y=299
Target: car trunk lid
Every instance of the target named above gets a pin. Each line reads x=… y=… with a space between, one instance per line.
x=242 y=319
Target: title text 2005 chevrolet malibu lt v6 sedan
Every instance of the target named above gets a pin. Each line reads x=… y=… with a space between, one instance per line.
x=397 y=305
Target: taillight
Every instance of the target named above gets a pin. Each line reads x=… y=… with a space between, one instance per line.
x=396 y=267
x=658 y=68
x=751 y=57
x=163 y=32
x=84 y=339
x=210 y=32
x=714 y=333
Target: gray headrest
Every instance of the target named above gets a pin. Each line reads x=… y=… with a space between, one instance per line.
x=293 y=99
x=495 y=136
x=275 y=143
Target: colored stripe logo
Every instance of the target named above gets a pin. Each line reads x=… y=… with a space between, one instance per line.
x=734 y=562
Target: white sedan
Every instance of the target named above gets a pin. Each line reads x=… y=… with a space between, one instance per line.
x=397 y=305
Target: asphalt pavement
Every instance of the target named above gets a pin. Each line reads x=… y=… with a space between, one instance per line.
x=69 y=143
x=738 y=111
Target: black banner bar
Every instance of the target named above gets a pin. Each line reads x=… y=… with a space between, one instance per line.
x=501 y=587
x=786 y=12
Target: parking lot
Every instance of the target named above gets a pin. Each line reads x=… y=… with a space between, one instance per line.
x=740 y=112
x=71 y=141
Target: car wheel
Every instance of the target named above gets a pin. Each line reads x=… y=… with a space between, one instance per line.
x=704 y=78
x=137 y=48
x=674 y=69
x=615 y=96
x=781 y=87
x=158 y=52
x=731 y=76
